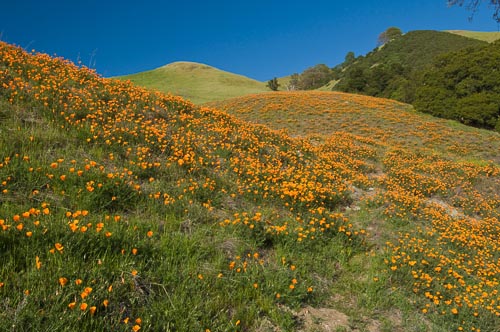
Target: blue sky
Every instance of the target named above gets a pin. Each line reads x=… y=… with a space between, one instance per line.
x=258 y=39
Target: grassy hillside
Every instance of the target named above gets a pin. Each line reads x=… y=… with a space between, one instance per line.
x=489 y=37
x=389 y=122
x=432 y=186
x=124 y=209
x=196 y=82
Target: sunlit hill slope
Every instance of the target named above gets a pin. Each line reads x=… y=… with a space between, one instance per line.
x=197 y=82
x=123 y=209
x=481 y=35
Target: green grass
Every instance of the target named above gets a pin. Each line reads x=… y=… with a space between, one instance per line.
x=489 y=37
x=196 y=82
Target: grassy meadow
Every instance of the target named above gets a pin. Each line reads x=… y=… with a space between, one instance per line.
x=125 y=209
x=197 y=82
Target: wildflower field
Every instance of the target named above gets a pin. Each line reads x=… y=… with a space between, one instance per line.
x=123 y=209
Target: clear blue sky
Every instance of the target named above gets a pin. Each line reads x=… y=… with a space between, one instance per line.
x=256 y=38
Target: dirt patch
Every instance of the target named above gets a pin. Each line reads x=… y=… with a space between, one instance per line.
x=322 y=320
x=452 y=211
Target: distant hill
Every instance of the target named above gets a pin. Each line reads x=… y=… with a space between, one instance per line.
x=387 y=70
x=481 y=35
x=197 y=82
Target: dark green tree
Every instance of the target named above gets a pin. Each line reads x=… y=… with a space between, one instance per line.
x=349 y=58
x=463 y=86
x=273 y=84
x=355 y=81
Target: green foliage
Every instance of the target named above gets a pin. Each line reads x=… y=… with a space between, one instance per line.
x=463 y=86
x=314 y=77
x=349 y=58
x=390 y=71
x=273 y=84
x=294 y=82
x=389 y=35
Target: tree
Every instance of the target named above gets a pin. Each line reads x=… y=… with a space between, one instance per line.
x=473 y=5
x=294 y=82
x=388 y=35
x=315 y=77
x=273 y=84
x=355 y=81
x=349 y=58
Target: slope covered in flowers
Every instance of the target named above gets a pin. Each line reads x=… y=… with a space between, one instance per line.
x=125 y=209
x=434 y=201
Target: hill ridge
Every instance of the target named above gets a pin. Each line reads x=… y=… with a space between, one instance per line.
x=195 y=81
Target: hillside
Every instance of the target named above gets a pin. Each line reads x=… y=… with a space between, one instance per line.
x=489 y=37
x=388 y=71
x=429 y=191
x=123 y=209
x=388 y=122
x=126 y=209
x=196 y=82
